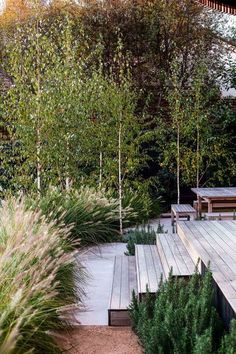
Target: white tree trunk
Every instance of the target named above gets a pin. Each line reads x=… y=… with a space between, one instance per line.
x=39 y=167
x=68 y=182
x=120 y=179
x=38 y=131
x=198 y=155
x=178 y=165
x=100 y=166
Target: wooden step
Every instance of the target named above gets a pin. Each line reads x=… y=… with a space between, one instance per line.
x=123 y=284
x=149 y=268
x=174 y=255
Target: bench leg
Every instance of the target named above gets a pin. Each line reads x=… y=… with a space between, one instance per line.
x=172 y=218
x=192 y=216
x=177 y=217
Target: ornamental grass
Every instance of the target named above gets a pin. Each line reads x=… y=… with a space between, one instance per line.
x=36 y=280
x=93 y=216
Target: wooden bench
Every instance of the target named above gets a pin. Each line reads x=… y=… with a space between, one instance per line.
x=174 y=256
x=182 y=210
x=123 y=284
x=220 y=215
x=149 y=268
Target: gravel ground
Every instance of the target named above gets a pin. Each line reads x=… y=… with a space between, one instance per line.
x=100 y=340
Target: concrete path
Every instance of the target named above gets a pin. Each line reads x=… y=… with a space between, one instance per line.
x=99 y=261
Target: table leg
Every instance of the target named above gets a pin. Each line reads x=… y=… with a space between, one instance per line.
x=172 y=217
x=199 y=199
x=209 y=206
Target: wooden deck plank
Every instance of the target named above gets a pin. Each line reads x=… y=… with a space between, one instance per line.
x=215 y=241
x=157 y=265
x=142 y=274
x=150 y=264
x=167 y=258
x=132 y=277
x=116 y=284
x=228 y=232
x=149 y=268
x=124 y=282
x=175 y=248
x=210 y=253
x=174 y=255
x=194 y=242
x=184 y=254
x=125 y=295
x=218 y=241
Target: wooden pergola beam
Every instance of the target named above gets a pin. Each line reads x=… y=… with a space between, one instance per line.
x=223 y=6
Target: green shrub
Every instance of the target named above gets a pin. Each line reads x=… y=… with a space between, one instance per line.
x=93 y=217
x=141 y=237
x=179 y=319
x=36 y=280
x=228 y=345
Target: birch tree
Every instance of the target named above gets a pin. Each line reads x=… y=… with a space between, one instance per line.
x=176 y=99
x=30 y=62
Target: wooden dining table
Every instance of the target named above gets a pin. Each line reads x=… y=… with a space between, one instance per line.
x=220 y=197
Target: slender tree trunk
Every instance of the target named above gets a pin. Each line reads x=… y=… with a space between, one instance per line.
x=38 y=129
x=67 y=166
x=198 y=153
x=39 y=166
x=100 y=166
x=120 y=178
x=178 y=165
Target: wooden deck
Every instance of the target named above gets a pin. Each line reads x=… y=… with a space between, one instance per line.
x=215 y=242
x=149 y=268
x=174 y=255
x=124 y=282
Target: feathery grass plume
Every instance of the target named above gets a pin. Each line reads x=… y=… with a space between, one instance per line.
x=33 y=264
x=94 y=217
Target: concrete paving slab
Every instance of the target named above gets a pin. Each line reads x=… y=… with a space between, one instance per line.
x=99 y=261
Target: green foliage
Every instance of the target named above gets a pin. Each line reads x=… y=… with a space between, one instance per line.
x=228 y=345
x=108 y=70
x=179 y=319
x=141 y=237
x=91 y=216
x=140 y=202
x=36 y=280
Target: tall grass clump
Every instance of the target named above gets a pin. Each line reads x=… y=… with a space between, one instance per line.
x=141 y=204
x=93 y=216
x=36 y=285
x=179 y=319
